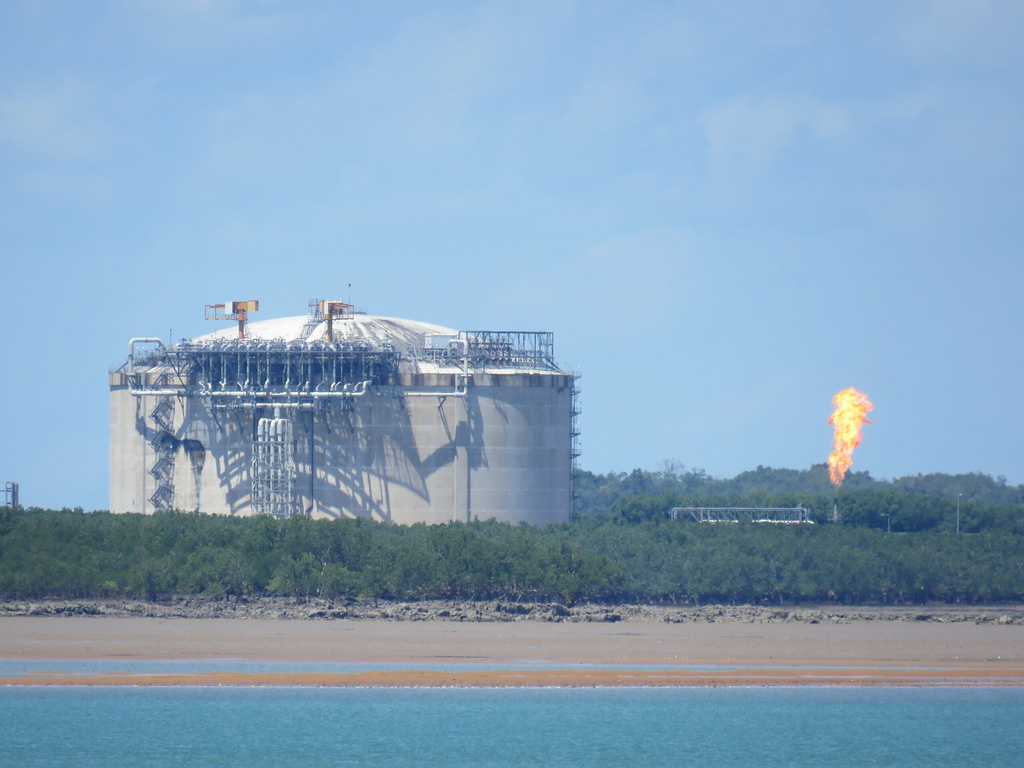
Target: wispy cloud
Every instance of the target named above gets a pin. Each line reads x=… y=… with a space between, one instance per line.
x=977 y=32
x=52 y=121
x=751 y=131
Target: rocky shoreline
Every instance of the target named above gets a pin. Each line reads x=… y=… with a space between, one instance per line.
x=194 y=607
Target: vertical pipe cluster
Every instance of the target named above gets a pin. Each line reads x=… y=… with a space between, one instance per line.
x=273 y=467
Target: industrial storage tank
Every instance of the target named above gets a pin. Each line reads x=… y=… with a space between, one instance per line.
x=343 y=414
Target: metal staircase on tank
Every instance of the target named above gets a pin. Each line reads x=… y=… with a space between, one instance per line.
x=165 y=446
x=313 y=318
x=574 y=452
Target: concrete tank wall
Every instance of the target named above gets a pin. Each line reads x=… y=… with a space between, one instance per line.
x=415 y=452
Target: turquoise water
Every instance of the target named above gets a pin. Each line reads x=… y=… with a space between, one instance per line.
x=84 y=727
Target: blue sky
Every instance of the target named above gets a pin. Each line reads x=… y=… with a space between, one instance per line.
x=726 y=212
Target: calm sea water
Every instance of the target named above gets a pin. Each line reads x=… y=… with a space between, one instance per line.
x=136 y=727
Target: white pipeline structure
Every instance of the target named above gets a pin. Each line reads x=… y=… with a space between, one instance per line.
x=341 y=414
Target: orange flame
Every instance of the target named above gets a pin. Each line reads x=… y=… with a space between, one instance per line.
x=849 y=415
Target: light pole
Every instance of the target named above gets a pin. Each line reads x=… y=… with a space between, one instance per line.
x=958 y=512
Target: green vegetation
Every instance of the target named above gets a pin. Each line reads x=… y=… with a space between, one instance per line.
x=624 y=548
x=980 y=496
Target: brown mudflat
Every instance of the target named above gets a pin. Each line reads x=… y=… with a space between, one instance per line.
x=857 y=652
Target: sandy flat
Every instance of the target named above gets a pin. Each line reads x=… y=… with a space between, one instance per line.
x=739 y=653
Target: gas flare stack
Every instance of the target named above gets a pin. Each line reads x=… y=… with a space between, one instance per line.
x=848 y=418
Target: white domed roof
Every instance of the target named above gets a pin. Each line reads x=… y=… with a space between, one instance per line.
x=377 y=330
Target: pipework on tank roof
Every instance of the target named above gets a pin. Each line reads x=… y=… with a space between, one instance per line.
x=348 y=390
x=140 y=340
x=465 y=377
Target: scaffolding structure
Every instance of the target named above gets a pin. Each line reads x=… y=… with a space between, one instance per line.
x=791 y=515
x=494 y=349
x=11 y=495
x=272 y=367
x=575 y=450
x=254 y=366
